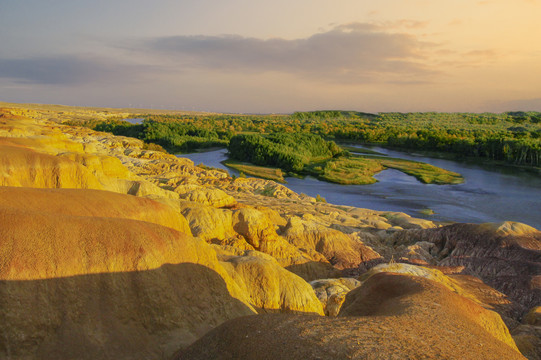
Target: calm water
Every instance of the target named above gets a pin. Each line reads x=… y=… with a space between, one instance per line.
x=135 y=120
x=488 y=194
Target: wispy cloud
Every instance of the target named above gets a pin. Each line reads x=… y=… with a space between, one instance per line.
x=355 y=52
x=486 y=54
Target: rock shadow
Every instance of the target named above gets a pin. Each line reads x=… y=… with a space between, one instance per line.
x=124 y=315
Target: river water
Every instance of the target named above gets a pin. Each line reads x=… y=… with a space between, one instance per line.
x=488 y=194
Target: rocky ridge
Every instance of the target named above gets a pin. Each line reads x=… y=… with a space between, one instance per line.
x=90 y=220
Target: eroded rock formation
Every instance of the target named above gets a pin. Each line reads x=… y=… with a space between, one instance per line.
x=109 y=250
x=389 y=316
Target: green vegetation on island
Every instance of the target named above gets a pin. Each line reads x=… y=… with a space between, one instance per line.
x=290 y=152
x=346 y=170
x=309 y=154
x=359 y=170
x=423 y=172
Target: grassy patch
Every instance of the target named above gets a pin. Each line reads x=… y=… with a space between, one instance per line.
x=423 y=172
x=258 y=171
x=426 y=212
x=347 y=171
x=359 y=170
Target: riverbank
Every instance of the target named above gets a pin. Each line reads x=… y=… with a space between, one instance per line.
x=487 y=194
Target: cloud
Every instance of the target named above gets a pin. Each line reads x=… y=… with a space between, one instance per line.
x=487 y=53
x=355 y=53
x=347 y=53
x=61 y=70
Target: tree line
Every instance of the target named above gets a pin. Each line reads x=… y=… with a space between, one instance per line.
x=513 y=137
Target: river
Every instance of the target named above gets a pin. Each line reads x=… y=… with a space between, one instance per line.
x=488 y=194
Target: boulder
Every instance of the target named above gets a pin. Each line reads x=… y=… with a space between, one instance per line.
x=332 y=292
x=342 y=251
x=270 y=287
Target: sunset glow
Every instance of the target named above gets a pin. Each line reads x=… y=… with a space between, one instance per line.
x=255 y=56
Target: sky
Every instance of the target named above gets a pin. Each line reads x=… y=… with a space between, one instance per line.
x=280 y=56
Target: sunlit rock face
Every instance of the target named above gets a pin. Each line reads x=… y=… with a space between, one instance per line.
x=95 y=203
x=341 y=250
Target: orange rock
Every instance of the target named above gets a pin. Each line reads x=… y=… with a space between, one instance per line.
x=94 y=203
x=390 y=316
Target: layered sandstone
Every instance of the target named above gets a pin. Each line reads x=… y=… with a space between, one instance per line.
x=506 y=256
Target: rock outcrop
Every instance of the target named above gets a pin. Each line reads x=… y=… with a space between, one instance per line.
x=332 y=292
x=84 y=272
x=92 y=203
x=505 y=256
x=101 y=287
x=270 y=287
x=339 y=249
x=21 y=166
x=212 y=197
x=389 y=316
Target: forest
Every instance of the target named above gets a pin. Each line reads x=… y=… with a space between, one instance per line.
x=511 y=137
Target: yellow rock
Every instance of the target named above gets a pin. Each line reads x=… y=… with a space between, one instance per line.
x=338 y=248
x=270 y=287
x=209 y=196
x=94 y=203
x=207 y=222
x=52 y=144
x=101 y=165
x=404 y=221
x=20 y=166
x=259 y=232
x=508 y=228
x=100 y=287
x=332 y=292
